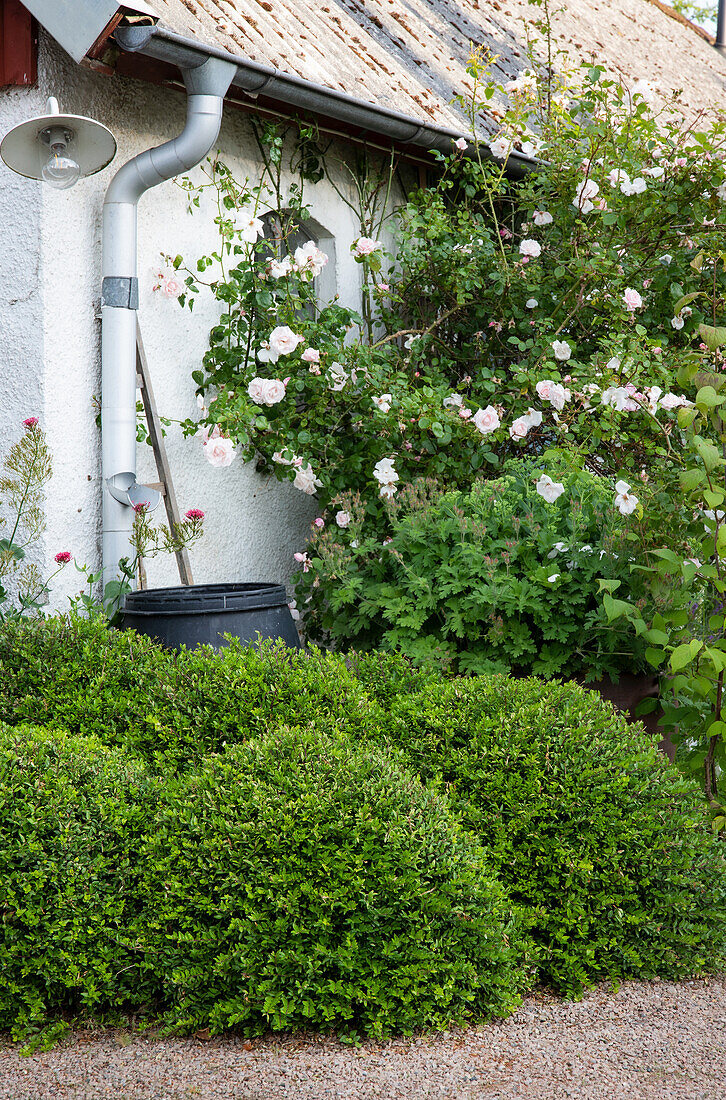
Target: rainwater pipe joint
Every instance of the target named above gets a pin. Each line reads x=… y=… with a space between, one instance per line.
x=206 y=86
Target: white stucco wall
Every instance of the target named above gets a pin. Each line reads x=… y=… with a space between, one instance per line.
x=51 y=247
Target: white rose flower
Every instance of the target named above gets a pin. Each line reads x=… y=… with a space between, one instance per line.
x=542 y=217
x=613 y=364
x=486 y=420
x=548 y=489
x=677 y=322
x=633 y=187
x=655 y=173
x=531 y=303
x=343 y=518
x=617 y=177
x=305 y=479
x=625 y=501
x=309 y=259
x=499 y=148
x=279 y=268
x=383 y=402
x=674 y=401
x=266 y=391
x=530 y=248
x=283 y=340
x=249 y=225
x=386 y=476
x=562 y=350
x=454 y=401
x=337 y=376
x=585 y=192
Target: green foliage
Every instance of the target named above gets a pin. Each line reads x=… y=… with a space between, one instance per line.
x=298 y=880
x=604 y=844
x=73 y=813
x=76 y=674
x=495 y=579
x=303 y=881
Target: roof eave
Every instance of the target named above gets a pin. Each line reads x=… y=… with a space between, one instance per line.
x=255 y=79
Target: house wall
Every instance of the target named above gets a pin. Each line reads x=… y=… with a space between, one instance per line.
x=51 y=334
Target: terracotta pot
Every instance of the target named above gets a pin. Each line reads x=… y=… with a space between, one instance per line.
x=625 y=696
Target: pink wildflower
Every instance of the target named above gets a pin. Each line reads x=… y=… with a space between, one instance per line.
x=64 y=556
x=194 y=513
x=31 y=422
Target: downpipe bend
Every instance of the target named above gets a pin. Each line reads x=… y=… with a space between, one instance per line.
x=206 y=87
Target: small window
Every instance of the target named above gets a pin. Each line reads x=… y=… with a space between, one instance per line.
x=285 y=235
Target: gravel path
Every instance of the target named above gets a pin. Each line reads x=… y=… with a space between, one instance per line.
x=649 y=1041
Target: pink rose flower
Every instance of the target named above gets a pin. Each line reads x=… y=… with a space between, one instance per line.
x=219 y=452
x=461 y=144
x=632 y=299
x=365 y=246
x=311 y=355
x=486 y=420
x=319 y=523
x=172 y=286
x=266 y=391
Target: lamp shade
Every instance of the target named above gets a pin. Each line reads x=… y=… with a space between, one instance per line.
x=89 y=143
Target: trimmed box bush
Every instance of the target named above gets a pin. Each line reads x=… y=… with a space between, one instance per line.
x=300 y=880
x=72 y=817
x=604 y=843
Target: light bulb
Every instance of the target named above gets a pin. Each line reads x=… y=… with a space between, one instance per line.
x=59 y=170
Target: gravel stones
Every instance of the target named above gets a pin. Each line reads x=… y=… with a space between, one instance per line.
x=649 y=1041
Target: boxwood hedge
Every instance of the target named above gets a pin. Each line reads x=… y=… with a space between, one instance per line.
x=295 y=880
x=605 y=844
x=300 y=880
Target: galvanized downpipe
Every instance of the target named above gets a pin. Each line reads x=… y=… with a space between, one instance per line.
x=206 y=86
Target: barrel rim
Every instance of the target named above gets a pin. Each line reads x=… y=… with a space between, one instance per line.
x=205 y=599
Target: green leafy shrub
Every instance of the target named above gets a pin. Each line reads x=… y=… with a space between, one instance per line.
x=602 y=841
x=76 y=674
x=300 y=880
x=72 y=816
x=506 y=576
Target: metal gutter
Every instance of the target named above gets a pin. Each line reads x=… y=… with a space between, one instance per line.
x=257 y=79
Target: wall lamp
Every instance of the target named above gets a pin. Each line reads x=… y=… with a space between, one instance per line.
x=58 y=149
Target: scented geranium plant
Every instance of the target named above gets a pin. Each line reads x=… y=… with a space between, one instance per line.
x=507 y=576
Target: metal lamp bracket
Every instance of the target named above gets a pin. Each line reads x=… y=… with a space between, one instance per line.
x=126 y=489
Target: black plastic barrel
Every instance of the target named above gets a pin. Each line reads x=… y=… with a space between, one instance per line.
x=202 y=613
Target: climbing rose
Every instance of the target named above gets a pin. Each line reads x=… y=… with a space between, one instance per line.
x=625 y=501
x=219 y=452
x=530 y=248
x=633 y=187
x=338 y=376
x=632 y=299
x=310 y=260
x=385 y=474
x=562 y=350
x=383 y=402
x=518 y=428
x=172 y=286
x=343 y=519
x=311 y=355
x=266 y=391
x=63 y=557
x=279 y=268
x=194 y=514
x=486 y=420
x=542 y=217
x=549 y=489
x=556 y=394
x=303 y=559
x=283 y=340
x=249 y=225
x=454 y=400
x=499 y=148
x=319 y=523
x=461 y=144
x=364 y=246
x=673 y=401
x=585 y=192
x=305 y=480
